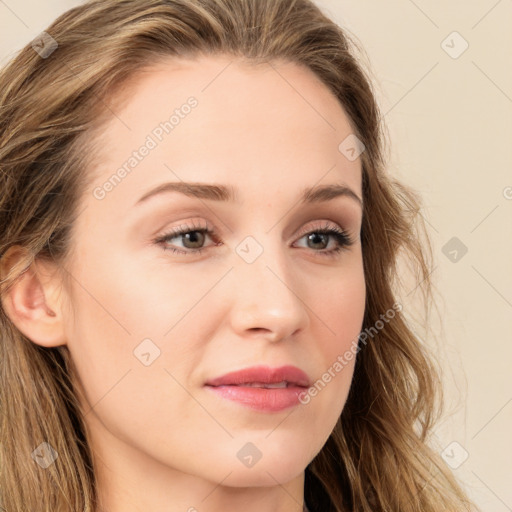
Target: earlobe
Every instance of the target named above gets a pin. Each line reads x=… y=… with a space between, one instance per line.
x=33 y=302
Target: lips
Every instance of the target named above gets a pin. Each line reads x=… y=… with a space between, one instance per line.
x=262 y=388
x=264 y=377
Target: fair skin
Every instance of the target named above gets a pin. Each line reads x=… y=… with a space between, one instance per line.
x=162 y=442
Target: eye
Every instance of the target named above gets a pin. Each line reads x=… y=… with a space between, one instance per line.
x=194 y=237
x=320 y=239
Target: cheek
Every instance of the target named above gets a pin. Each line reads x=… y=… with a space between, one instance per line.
x=142 y=296
x=128 y=369
x=340 y=308
x=132 y=322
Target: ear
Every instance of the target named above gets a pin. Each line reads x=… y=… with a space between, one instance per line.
x=34 y=301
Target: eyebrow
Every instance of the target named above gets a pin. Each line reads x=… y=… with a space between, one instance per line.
x=214 y=192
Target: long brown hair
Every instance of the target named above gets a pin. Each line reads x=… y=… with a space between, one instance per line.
x=377 y=457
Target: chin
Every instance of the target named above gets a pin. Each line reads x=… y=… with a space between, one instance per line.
x=279 y=465
x=263 y=475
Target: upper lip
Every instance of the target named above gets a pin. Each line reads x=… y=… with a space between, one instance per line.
x=263 y=374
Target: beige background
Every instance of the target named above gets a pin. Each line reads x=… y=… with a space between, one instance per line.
x=450 y=121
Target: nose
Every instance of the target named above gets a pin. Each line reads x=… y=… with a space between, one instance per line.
x=268 y=300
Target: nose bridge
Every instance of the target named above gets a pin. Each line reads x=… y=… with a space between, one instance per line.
x=266 y=296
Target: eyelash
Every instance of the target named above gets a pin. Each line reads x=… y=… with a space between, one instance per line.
x=342 y=238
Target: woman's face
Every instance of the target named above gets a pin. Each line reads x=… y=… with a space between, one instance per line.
x=156 y=315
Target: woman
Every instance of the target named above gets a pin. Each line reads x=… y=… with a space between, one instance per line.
x=199 y=249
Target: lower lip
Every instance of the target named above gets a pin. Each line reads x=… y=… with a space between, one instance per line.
x=261 y=399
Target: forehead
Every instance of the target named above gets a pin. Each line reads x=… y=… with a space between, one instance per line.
x=250 y=124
